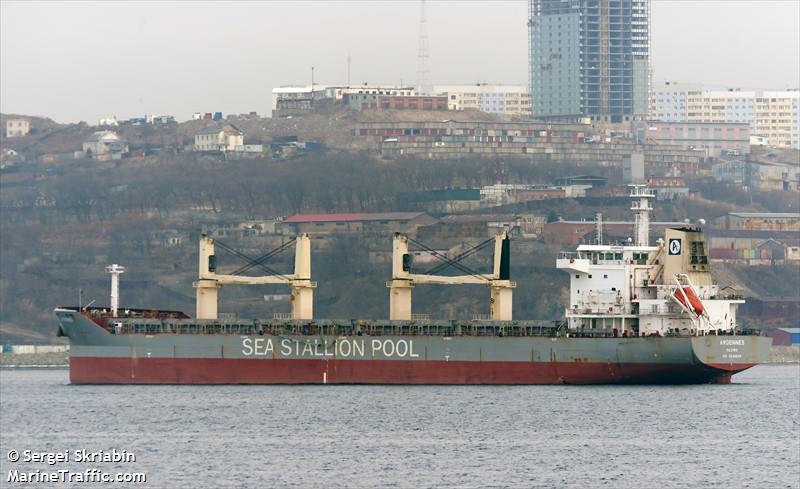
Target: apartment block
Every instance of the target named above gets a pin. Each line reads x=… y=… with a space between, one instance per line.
x=773 y=115
x=511 y=100
x=589 y=58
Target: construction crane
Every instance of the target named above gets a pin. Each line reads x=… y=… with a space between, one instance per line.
x=403 y=281
x=209 y=280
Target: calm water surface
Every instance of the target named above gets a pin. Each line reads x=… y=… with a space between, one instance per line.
x=743 y=435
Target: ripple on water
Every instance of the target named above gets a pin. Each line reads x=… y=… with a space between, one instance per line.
x=746 y=434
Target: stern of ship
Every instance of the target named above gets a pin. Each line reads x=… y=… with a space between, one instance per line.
x=728 y=355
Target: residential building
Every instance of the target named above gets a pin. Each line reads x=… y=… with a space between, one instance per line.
x=513 y=100
x=226 y=138
x=104 y=145
x=296 y=100
x=299 y=99
x=367 y=101
x=108 y=121
x=715 y=138
x=16 y=128
x=589 y=58
x=541 y=140
x=772 y=115
x=389 y=90
x=355 y=223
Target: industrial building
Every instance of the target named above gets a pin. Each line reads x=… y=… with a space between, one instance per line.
x=589 y=58
x=759 y=176
x=715 y=138
x=760 y=221
x=773 y=115
x=755 y=247
x=668 y=188
x=786 y=337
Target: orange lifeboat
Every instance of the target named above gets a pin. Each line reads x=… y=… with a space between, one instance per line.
x=694 y=303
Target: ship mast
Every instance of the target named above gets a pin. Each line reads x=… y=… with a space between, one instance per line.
x=641 y=209
x=115 y=271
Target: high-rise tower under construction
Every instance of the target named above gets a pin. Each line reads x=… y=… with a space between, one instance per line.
x=589 y=58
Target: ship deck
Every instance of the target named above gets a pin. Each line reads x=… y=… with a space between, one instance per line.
x=158 y=322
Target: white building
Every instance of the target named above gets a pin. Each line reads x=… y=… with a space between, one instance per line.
x=16 y=128
x=773 y=115
x=494 y=99
x=226 y=138
x=105 y=145
x=108 y=121
x=298 y=99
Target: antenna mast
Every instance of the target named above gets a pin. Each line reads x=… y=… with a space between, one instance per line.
x=641 y=208
x=423 y=56
x=348 y=68
x=599 y=220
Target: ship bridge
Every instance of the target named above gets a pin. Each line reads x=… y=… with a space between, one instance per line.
x=588 y=255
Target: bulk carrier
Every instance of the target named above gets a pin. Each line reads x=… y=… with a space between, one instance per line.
x=637 y=314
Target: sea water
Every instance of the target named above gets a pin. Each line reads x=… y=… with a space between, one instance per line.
x=742 y=435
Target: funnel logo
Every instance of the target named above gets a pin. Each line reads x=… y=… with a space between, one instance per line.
x=674 y=246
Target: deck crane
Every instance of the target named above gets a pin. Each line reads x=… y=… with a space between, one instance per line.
x=501 y=287
x=209 y=280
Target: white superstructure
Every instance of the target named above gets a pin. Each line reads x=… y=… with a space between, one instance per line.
x=635 y=289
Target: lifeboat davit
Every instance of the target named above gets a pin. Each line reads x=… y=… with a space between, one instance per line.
x=693 y=304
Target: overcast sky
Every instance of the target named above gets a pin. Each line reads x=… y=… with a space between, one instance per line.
x=76 y=61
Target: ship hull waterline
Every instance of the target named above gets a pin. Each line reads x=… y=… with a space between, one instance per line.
x=109 y=370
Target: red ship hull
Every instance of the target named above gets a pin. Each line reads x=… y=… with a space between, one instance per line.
x=115 y=370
